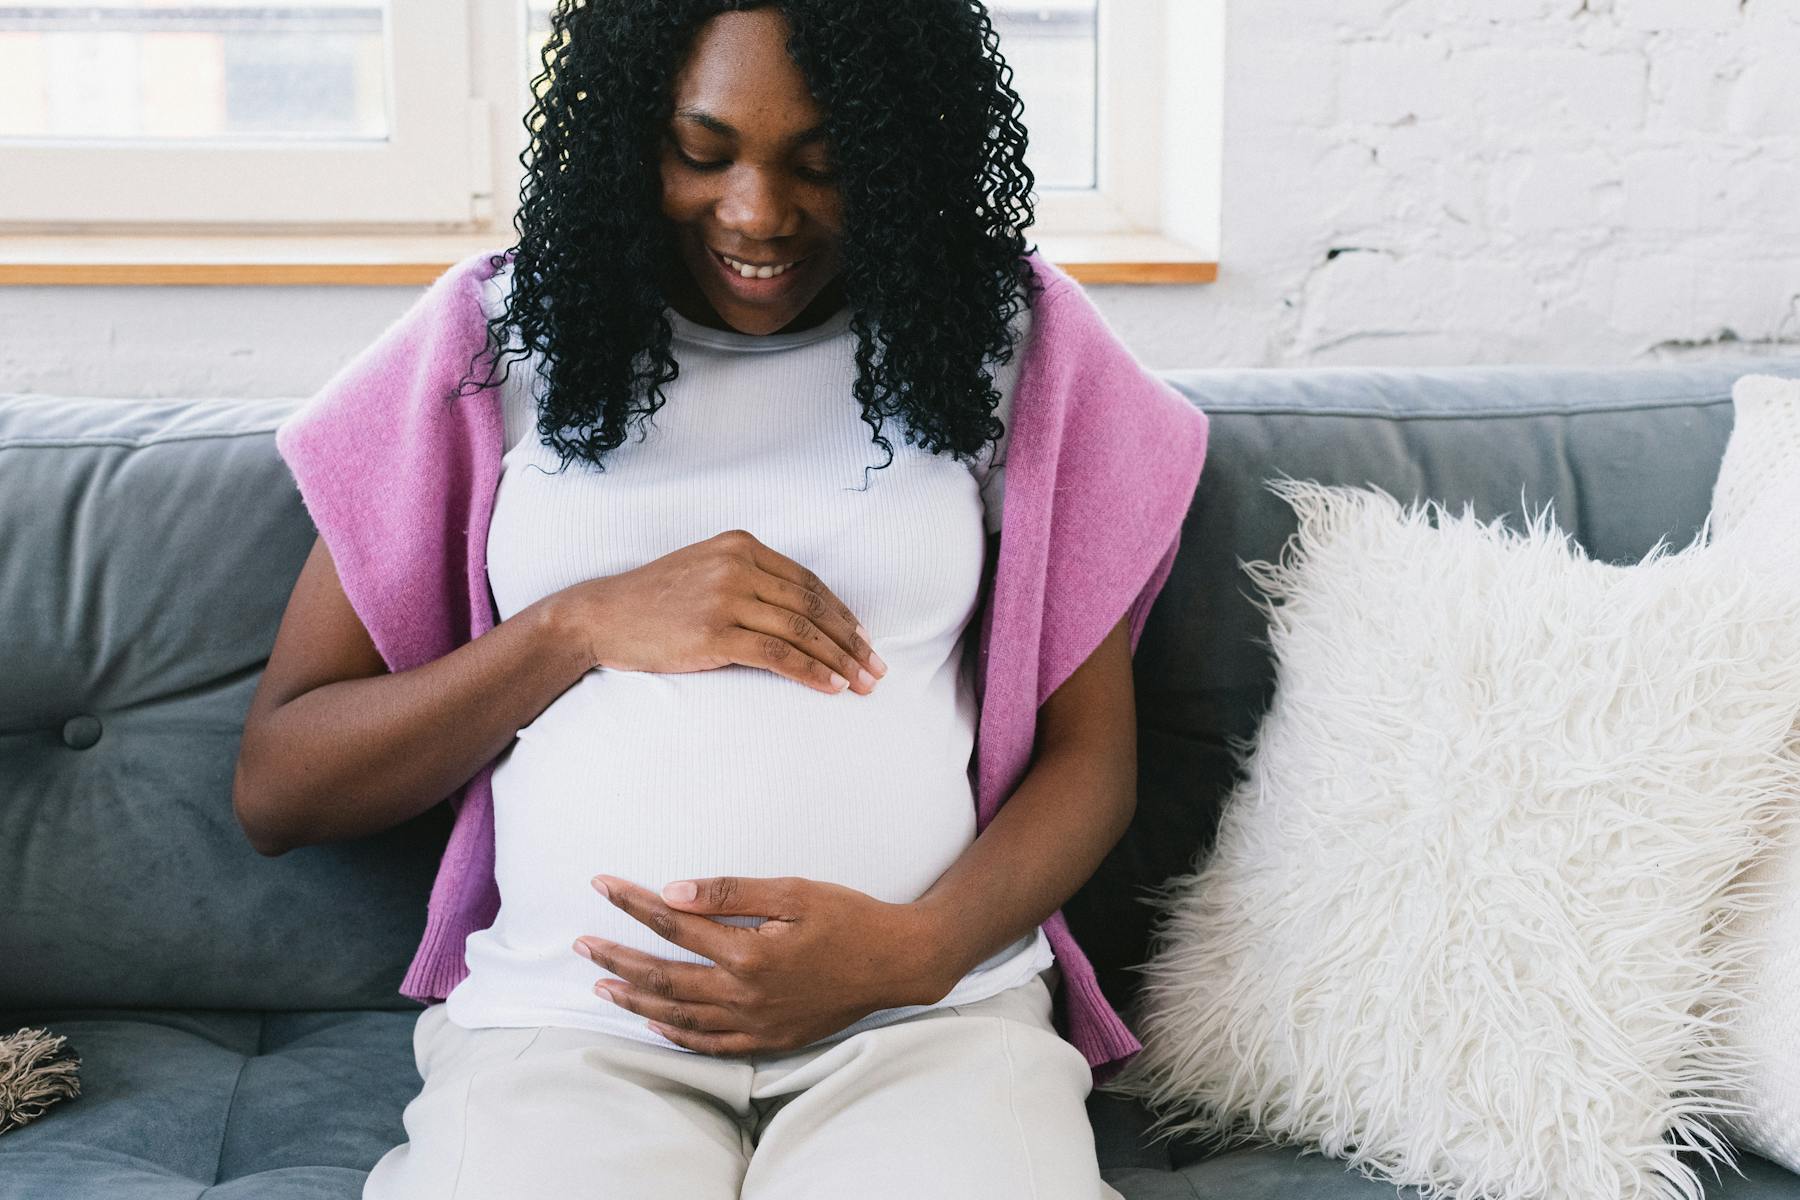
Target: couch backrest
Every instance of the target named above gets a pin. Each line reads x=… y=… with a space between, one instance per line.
x=147 y=550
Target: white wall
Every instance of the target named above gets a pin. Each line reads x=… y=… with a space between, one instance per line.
x=1465 y=181
x=1407 y=182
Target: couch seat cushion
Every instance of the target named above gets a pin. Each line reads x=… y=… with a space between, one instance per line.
x=209 y=1104
x=179 y=1104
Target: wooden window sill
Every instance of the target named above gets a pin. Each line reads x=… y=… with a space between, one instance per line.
x=362 y=260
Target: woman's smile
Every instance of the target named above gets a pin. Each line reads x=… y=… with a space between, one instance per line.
x=762 y=280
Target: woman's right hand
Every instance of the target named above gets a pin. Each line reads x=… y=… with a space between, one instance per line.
x=728 y=599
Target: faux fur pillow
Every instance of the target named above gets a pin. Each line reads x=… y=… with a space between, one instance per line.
x=1756 y=509
x=1460 y=924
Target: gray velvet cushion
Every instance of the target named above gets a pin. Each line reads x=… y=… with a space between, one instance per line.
x=181 y=1103
x=238 y=1016
x=150 y=547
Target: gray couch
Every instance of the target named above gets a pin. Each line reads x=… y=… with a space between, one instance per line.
x=237 y=1016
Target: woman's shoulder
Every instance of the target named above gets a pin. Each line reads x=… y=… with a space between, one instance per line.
x=1052 y=287
x=496 y=290
x=1066 y=323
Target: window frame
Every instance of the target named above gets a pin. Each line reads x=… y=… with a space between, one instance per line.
x=434 y=170
x=1150 y=96
x=1153 y=218
x=1121 y=200
x=1160 y=85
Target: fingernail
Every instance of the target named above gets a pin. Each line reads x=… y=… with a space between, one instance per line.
x=582 y=949
x=600 y=886
x=864 y=678
x=863 y=634
x=604 y=992
x=838 y=681
x=875 y=661
x=685 y=890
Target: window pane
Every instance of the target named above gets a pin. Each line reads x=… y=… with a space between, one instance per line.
x=537 y=34
x=194 y=69
x=1053 y=48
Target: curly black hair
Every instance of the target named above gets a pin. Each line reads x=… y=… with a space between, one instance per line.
x=929 y=151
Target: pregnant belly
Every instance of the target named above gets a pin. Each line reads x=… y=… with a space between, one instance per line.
x=735 y=771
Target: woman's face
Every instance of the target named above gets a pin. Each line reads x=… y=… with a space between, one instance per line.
x=747 y=182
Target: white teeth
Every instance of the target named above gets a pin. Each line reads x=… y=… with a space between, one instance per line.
x=751 y=271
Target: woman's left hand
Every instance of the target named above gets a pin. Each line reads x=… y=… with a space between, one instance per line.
x=825 y=957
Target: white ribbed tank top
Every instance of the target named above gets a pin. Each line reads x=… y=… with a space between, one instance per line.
x=735 y=771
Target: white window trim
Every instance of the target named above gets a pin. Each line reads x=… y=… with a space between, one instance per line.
x=1161 y=96
x=1161 y=91
x=433 y=170
x=1157 y=199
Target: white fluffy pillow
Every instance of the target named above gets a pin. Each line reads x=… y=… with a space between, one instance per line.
x=1460 y=924
x=1756 y=509
x=1764 y=449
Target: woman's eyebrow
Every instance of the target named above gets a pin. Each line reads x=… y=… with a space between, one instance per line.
x=706 y=120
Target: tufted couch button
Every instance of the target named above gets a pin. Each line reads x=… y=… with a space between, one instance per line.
x=80 y=732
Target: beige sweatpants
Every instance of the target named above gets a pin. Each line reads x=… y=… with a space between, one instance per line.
x=983 y=1101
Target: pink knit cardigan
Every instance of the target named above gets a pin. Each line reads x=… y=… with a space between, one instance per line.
x=399 y=472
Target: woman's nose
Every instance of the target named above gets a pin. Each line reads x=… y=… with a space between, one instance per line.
x=755 y=206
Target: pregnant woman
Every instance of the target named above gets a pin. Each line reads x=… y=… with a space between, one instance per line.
x=732 y=904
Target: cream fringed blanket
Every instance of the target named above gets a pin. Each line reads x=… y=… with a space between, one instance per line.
x=37 y=1068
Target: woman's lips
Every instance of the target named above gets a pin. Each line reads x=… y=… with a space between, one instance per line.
x=756 y=290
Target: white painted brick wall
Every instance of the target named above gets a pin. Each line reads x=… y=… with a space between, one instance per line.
x=1406 y=182
x=1484 y=181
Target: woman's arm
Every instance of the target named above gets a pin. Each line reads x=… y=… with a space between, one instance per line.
x=335 y=747
x=1071 y=808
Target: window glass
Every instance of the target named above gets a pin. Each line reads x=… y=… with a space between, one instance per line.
x=194 y=69
x=1053 y=49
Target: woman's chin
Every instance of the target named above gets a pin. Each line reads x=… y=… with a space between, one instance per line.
x=747 y=315
x=757 y=323
x=756 y=319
